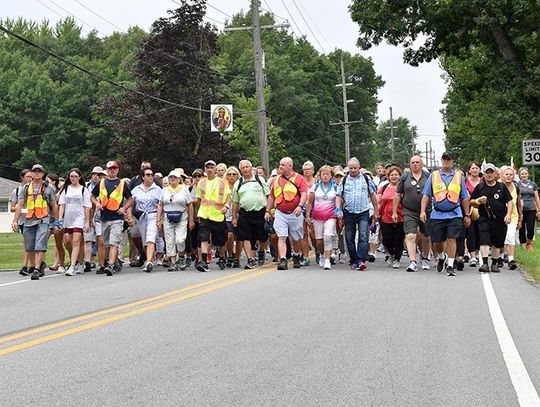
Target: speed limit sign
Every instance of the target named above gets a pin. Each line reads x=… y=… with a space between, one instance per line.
x=531 y=152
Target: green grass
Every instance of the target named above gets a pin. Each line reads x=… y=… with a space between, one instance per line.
x=11 y=250
x=530 y=261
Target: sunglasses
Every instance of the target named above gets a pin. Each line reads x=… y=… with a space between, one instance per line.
x=148 y=174
x=196 y=176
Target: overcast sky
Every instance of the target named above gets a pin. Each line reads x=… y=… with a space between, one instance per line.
x=415 y=93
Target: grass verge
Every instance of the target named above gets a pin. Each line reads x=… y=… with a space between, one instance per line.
x=530 y=261
x=11 y=250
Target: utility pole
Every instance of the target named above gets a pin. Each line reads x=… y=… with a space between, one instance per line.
x=258 y=56
x=427 y=157
x=346 y=123
x=392 y=127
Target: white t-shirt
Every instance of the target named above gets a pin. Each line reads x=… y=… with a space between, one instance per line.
x=179 y=202
x=75 y=201
x=325 y=201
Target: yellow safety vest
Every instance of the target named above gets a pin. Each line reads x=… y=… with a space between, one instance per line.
x=36 y=207
x=441 y=191
x=288 y=192
x=113 y=201
x=212 y=199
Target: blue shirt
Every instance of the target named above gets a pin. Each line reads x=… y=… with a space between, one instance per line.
x=447 y=210
x=356 y=194
x=146 y=200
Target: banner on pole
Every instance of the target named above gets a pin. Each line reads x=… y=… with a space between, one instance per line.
x=221 y=118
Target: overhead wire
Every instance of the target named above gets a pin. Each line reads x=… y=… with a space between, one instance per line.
x=293 y=20
x=308 y=26
x=314 y=25
x=268 y=9
x=218 y=10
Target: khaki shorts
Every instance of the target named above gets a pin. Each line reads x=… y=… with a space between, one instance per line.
x=112 y=232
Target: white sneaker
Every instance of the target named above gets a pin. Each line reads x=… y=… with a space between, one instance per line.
x=327 y=265
x=70 y=271
x=395 y=264
x=425 y=264
x=390 y=261
x=61 y=270
x=412 y=267
x=79 y=269
x=321 y=262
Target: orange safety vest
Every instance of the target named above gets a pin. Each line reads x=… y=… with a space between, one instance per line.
x=289 y=190
x=36 y=207
x=221 y=194
x=441 y=191
x=113 y=201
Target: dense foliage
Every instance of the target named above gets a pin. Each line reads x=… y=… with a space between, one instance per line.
x=153 y=98
x=490 y=50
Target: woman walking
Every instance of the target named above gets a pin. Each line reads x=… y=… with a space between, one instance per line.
x=392 y=231
x=146 y=198
x=508 y=175
x=321 y=204
x=471 y=233
x=234 y=250
x=74 y=203
x=531 y=208
x=175 y=213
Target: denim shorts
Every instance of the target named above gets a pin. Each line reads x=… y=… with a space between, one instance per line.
x=36 y=237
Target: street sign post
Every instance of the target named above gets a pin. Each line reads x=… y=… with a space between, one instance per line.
x=531 y=153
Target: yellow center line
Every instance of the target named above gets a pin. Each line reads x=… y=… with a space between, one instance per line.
x=85 y=317
x=104 y=321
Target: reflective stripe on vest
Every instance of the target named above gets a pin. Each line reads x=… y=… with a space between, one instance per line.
x=113 y=201
x=289 y=191
x=441 y=191
x=36 y=207
x=205 y=201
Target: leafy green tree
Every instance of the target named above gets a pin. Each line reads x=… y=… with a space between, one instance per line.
x=404 y=142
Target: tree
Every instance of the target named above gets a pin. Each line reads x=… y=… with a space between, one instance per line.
x=404 y=142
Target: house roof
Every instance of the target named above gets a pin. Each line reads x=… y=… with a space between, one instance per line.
x=6 y=188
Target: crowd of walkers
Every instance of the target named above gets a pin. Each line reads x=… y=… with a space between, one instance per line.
x=449 y=216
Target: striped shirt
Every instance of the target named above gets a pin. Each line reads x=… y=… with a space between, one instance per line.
x=356 y=196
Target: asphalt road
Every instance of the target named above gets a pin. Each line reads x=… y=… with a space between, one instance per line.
x=308 y=337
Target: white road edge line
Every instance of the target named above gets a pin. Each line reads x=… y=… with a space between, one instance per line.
x=526 y=393
x=27 y=280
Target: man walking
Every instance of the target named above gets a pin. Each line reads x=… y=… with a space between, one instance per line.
x=250 y=194
x=39 y=200
x=450 y=201
x=214 y=197
x=287 y=196
x=409 y=193
x=352 y=205
x=112 y=198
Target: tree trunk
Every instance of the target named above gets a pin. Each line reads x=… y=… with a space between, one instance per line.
x=506 y=48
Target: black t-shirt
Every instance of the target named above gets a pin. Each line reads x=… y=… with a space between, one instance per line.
x=138 y=180
x=412 y=188
x=110 y=185
x=497 y=195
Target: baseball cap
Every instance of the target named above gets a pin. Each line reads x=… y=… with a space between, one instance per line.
x=198 y=171
x=112 y=164
x=175 y=173
x=489 y=166
x=210 y=162
x=97 y=170
x=447 y=154
x=38 y=167
x=339 y=174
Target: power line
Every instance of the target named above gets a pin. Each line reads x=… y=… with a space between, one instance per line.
x=56 y=12
x=268 y=9
x=218 y=10
x=292 y=19
x=308 y=26
x=314 y=25
x=99 y=16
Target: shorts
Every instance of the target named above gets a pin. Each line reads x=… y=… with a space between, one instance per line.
x=36 y=237
x=251 y=226
x=112 y=232
x=288 y=224
x=70 y=231
x=492 y=232
x=134 y=230
x=442 y=229
x=214 y=232
x=94 y=232
x=511 y=232
x=412 y=224
x=374 y=236
x=147 y=228
x=324 y=228
x=230 y=227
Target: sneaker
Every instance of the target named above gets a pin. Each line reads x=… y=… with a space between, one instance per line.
x=261 y=258
x=333 y=259
x=495 y=268
x=466 y=257
x=396 y=264
x=473 y=262
x=251 y=263
x=79 y=269
x=108 y=270
x=23 y=271
x=92 y=265
x=35 y=275
x=389 y=260
x=362 y=266
x=450 y=271
x=297 y=261
x=202 y=267
x=282 y=265
x=371 y=258
x=221 y=263
x=100 y=270
x=354 y=265
x=441 y=263
x=412 y=267
x=500 y=262
x=148 y=266
x=70 y=271
x=460 y=264
x=189 y=260
x=229 y=262
x=318 y=258
x=42 y=268
x=321 y=262
x=425 y=264
x=181 y=263
x=505 y=258
x=137 y=263
x=304 y=261
x=87 y=267
x=173 y=267
x=327 y=265
x=236 y=264
x=117 y=267
x=484 y=268
x=512 y=265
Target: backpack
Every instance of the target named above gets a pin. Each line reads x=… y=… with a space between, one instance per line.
x=366 y=177
x=242 y=181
